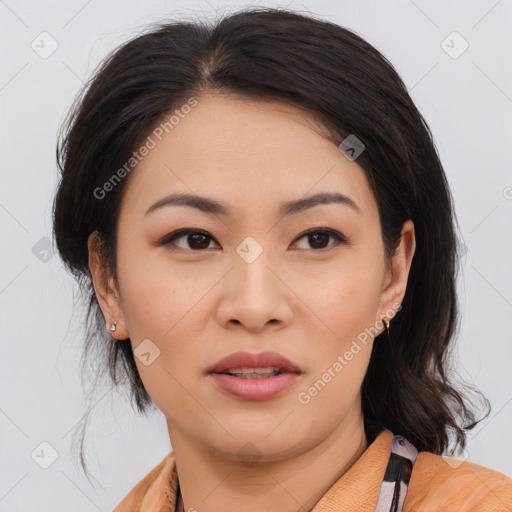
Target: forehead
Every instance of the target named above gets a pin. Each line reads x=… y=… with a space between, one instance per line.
x=245 y=152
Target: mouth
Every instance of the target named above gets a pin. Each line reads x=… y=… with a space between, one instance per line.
x=249 y=365
x=254 y=373
x=251 y=376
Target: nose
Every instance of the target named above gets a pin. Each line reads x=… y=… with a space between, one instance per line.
x=254 y=295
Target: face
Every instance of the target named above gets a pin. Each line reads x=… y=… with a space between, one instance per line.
x=309 y=283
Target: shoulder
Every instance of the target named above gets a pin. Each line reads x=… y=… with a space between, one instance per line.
x=445 y=483
x=147 y=493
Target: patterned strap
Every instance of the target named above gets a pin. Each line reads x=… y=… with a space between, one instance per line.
x=398 y=473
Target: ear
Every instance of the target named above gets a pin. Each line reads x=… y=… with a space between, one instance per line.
x=397 y=274
x=105 y=289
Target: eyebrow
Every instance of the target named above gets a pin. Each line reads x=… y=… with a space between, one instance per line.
x=209 y=205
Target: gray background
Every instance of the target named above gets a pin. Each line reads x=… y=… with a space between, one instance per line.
x=466 y=99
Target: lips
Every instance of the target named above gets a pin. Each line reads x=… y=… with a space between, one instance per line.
x=249 y=376
x=262 y=363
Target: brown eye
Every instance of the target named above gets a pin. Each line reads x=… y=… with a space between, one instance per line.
x=319 y=239
x=196 y=240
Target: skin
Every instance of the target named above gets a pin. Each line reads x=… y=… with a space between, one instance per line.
x=307 y=302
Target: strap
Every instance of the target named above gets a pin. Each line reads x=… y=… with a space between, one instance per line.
x=393 y=488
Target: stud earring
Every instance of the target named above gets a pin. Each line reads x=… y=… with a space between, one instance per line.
x=386 y=321
x=112 y=327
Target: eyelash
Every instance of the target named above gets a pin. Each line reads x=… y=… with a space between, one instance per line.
x=167 y=240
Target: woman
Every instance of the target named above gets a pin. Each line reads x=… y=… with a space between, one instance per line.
x=265 y=232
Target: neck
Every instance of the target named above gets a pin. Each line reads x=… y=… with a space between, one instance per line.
x=209 y=481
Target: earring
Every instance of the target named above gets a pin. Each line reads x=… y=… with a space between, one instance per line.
x=112 y=327
x=386 y=321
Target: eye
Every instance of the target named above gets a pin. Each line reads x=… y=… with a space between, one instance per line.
x=318 y=237
x=196 y=239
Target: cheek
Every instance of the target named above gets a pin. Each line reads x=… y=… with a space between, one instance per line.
x=343 y=348
x=165 y=303
x=346 y=298
x=157 y=295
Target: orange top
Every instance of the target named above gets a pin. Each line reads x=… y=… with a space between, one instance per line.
x=438 y=484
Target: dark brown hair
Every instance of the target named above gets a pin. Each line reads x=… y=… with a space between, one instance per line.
x=347 y=84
